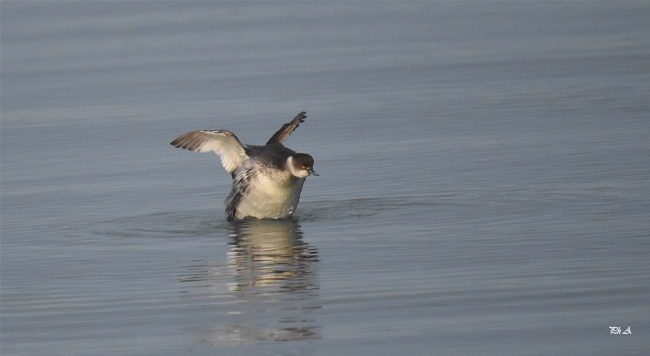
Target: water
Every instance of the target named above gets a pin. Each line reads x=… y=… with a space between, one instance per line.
x=483 y=190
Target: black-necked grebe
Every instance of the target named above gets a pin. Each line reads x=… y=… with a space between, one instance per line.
x=266 y=180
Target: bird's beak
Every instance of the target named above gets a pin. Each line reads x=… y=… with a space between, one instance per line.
x=313 y=172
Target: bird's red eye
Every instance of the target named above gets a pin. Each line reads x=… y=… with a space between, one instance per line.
x=303 y=167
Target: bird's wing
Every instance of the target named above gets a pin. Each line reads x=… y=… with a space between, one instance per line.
x=287 y=128
x=222 y=142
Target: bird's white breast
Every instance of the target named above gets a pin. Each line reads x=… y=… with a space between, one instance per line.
x=273 y=196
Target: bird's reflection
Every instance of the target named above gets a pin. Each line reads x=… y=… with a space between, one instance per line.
x=271 y=254
x=271 y=274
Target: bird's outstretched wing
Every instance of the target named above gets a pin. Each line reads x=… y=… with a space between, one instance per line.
x=287 y=128
x=222 y=142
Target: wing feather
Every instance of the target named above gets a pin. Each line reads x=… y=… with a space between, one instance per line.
x=287 y=128
x=222 y=142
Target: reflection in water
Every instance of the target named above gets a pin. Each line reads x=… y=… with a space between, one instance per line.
x=270 y=273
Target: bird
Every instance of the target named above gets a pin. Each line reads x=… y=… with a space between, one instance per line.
x=266 y=180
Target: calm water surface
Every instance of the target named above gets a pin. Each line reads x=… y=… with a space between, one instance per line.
x=484 y=178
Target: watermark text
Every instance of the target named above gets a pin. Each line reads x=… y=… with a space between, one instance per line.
x=618 y=331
